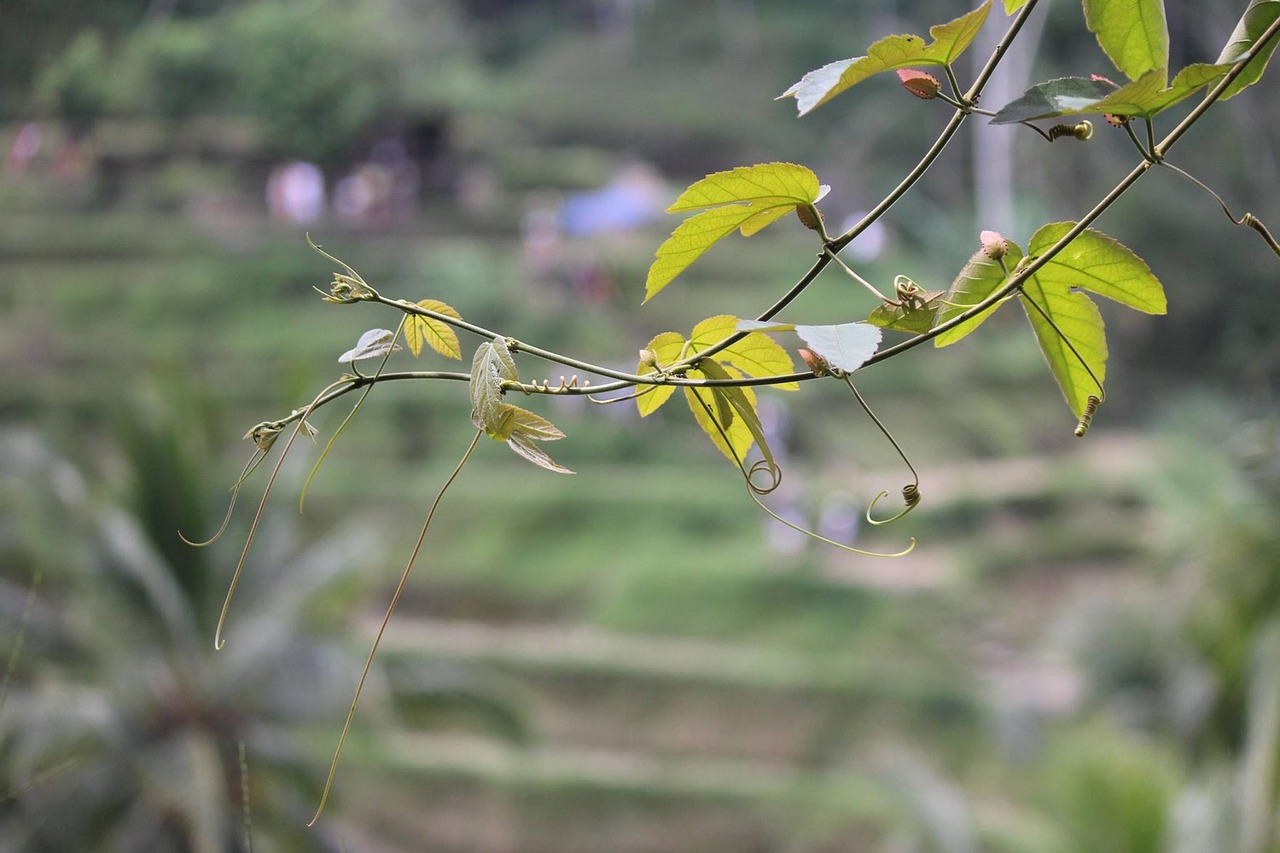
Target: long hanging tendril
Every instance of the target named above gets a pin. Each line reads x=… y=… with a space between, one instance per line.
x=386 y=619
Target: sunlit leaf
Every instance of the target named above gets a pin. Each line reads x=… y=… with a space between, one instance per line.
x=1011 y=6
x=435 y=334
x=1075 y=338
x=1055 y=98
x=1260 y=15
x=374 y=343
x=742 y=402
x=747 y=198
x=845 y=347
x=1133 y=33
x=888 y=54
x=490 y=367
x=1100 y=264
x=666 y=349
x=709 y=404
x=1148 y=95
x=978 y=279
x=755 y=355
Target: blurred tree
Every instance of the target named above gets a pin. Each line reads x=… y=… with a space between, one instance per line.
x=76 y=82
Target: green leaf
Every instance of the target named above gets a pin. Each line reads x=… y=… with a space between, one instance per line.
x=1011 y=6
x=490 y=367
x=1100 y=264
x=888 y=54
x=756 y=354
x=766 y=185
x=1148 y=95
x=978 y=278
x=749 y=198
x=743 y=405
x=713 y=410
x=1133 y=33
x=1054 y=98
x=435 y=334
x=915 y=317
x=667 y=349
x=374 y=343
x=845 y=347
x=1077 y=319
x=520 y=428
x=1096 y=263
x=1260 y=15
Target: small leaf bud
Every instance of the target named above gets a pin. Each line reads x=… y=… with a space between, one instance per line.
x=810 y=217
x=994 y=245
x=648 y=358
x=816 y=363
x=922 y=85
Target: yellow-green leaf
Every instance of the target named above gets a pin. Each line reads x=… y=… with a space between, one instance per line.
x=1133 y=33
x=1100 y=264
x=1148 y=95
x=915 y=316
x=667 y=349
x=889 y=53
x=978 y=279
x=1078 y=339
x=1260 y=15
x=706 y=405
x=743 y=405
x=434 y=333
x=766 y=185
x=756 y=354
x=749 y=198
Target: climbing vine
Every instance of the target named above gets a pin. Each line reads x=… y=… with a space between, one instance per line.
x=718 y=365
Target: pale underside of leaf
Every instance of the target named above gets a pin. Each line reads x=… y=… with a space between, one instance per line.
x=889 y=53
x=490 y=367
x=978 y=278
x=374 y=343
x=845 y=347
x=1133 y=33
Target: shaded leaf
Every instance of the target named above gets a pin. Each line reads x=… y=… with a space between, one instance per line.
x=1260 y=15
x=980 y=277
x=525 y=446
x=435 y=334
x=1148 y=95
x=914 y=317
x=888 y=54
x=374 y=343
x=490 y=367
x=845 y=347
x=667 y=349
x=1133 y=33
x=1054 y=98
x=747 y=198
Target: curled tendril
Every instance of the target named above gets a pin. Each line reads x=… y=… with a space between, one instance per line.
x=1248 y=220
x=771 y=470
x=566 y=385
x=911 y=491
x=1090 y=408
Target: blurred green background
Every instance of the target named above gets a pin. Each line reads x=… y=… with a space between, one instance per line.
x=1082 y=653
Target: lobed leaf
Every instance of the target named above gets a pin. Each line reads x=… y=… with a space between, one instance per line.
x=845 y=347
x=713 y=411
x=888 y=54
x=1133 y=33
x=747 y=198
x=434 y=333
x=374 y=343
x=741 y=402
x=980 y=277
x=1079 y=334
x=1257 y=17
x=1100 y=264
